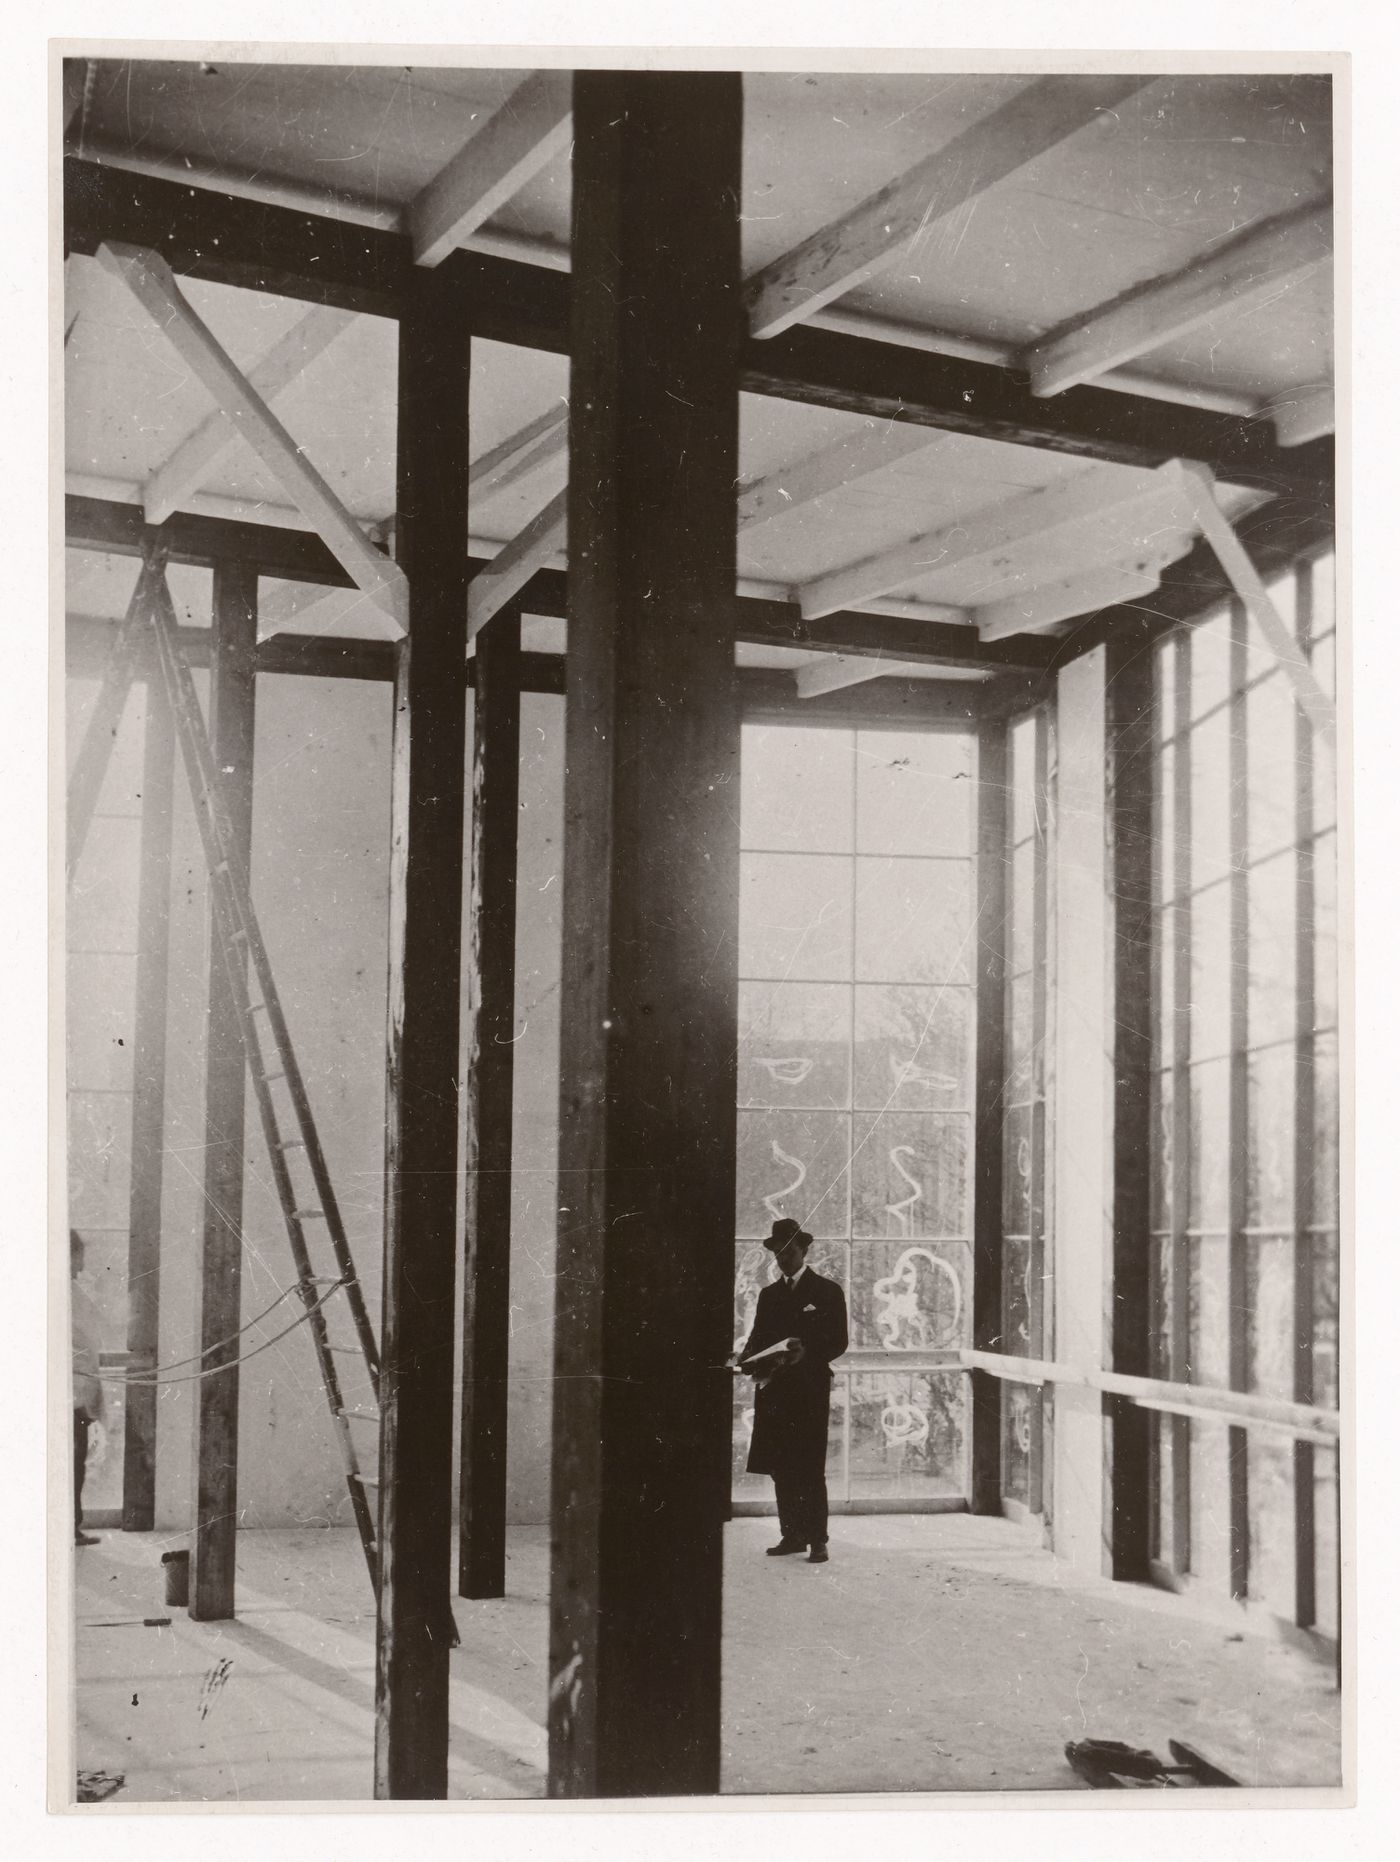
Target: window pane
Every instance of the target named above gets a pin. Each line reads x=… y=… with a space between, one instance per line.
x=1162 y=1116
x=1269 y=1260
x=1171 y=924
x=792 y=1163
x=1283 y=592
x=1020 y=1028
x=1022 y=909
x=754 y=1268
x=1210 y=1109
x=1164 y=840
x=913 y=1046
x=1324 y=763
x=1210 y=972
x=1269 y=1157
x=914 y=792
x=1271 y=1543
x=1325 y=1151
x=1165 y=651
x=1017 y=1166
x=101 y=1011
x=1273 y=959
x=1020 y=1425
x=1023 y=798
x=1210 y=800
x=1210 y=1506
x=794 y=1044
x=1324 y=663
x=908 y=1435
x=1325 y=1527
x=99 y=1159
x=1018 y=1299
x=796 y=788
x=913 y=921
x=1324 y=583
x=1210 y=1311
x=1210 y=663
x=102 y=899
x=910 y=1175
x=795 y=916
x=1270 y=715
x=1326 y=1385
x=911 y=1296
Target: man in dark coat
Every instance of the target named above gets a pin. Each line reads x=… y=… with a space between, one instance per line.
x=793 y=1397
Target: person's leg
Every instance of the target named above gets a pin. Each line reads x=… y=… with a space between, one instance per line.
x=788 y=1489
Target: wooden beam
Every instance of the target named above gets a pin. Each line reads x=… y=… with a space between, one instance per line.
x=1085 y=499
x=1203 y=503
x=490 y=1078
x=530 y=129
x=523 y=452
x=1234 y=277
x=833 y=672
x=891 y=223
x=830 y=468
x=143 y=1262
x=425 y=951
x=505 y=575
x=989 y=1110
x=644 y=1308
x=195 y=457
x=213 y=1542
x=151 y=283
x=95 y=751
x=221 y=237
x=1304 y=414
x=1130 y=748
x=1052 y=602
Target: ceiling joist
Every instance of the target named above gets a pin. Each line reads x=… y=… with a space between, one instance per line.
x=506 y=574
x=834 y=672
x=830 y=469
x=1035 y=609
x=1086 y=499
x=150 y=282
x=531 y=127
x=889 y=223
x=1306 y=414
x=1236 y=276
x=195 y=457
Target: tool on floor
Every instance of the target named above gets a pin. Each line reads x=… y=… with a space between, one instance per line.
x=1110 y=1765
x=310 y=1212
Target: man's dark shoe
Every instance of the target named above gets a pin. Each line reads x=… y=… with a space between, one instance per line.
x=817 y=1555
x=786 y=1547
x=85 y=1538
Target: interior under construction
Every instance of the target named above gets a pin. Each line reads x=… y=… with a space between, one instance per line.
x=649 y=651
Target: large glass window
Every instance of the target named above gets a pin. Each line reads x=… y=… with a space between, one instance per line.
x=1244 y=1167
x=856 y=1029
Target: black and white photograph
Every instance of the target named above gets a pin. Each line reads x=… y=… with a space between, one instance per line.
x=704 y=966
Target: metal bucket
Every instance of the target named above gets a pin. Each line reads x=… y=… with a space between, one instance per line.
x=177 y=1577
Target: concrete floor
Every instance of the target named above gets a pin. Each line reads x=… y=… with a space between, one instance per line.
x=937 y=1653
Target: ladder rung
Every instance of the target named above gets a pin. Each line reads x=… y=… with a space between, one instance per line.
x=291 y=1144
x=368 y=1480
x=268 y=1078
x=313 y=1215
x=361 y=1415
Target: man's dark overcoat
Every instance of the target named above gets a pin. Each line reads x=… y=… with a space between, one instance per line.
x=791 y=1409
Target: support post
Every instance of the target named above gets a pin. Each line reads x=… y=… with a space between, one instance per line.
x=1304 y=1138
x=148 y=1108
x=990 y=1094
x=425 y=952
x=490 y=1083
x=231 y=713
x=1237 y=1138
x=645 y=1284
x=1129 y=703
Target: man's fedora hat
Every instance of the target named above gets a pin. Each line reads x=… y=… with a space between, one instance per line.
x=784 y=1231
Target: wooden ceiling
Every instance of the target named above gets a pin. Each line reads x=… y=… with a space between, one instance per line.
x=1193 y=210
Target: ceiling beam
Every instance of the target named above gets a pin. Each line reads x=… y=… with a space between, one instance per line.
x=1034 y=609
x=1086 y=498
x=148 y=278
x=1232 y=278
x=523 y=452
x=235 y=241
x=506 y=574
x=829 y=469
x=1199 y=490
x=196 y=456
x=834 y=672
x=1304 y=414
x=888 y=224
x=296 y=555
x=531 y=127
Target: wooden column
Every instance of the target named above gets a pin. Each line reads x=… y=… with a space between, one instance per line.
x=644 y=1310
x=425 y=960
x=148 y=1107
x=231 y=695
x=1237 y=1137
x=1304 y=1139
x=490 y=1083
x=1129 y=694
x=993 y=933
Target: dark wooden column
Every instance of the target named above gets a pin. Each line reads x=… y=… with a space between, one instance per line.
x=490 y=1083
x=231 y=694
x=425 y=964
x=148 y=1107
x=1129 y=687
x=990 y=1102
x=644 y=1290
